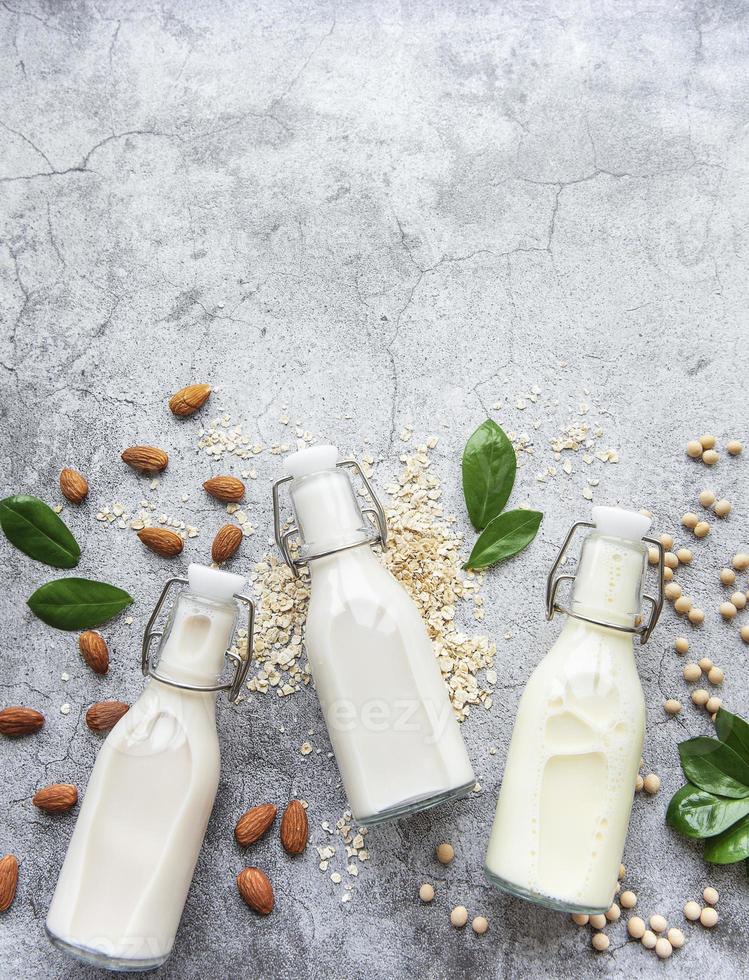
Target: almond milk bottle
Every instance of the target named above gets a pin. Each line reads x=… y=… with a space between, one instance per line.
x=125 y=878
x=396 y=739
x=569 y=780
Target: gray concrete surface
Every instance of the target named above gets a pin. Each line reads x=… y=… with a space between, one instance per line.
x=376 y=214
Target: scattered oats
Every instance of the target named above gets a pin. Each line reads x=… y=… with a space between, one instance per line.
x=346 y=897
x=65 y=709
x=306 y=748
x=521 y=403
x=154 y=484
x=587 y=493
x=336 y=878
x=353 y=869
x=608 y=456
x=323 y=866
x=491 y=676
x=58 y=508
x=128 y=621
x=65 y=676
x=185 y=497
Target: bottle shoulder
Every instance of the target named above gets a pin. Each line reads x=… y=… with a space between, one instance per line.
x=582 y=649
x=357 y=572
x=365 y=594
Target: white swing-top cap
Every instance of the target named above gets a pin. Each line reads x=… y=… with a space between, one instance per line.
x=311 y=460
x=211 y=583
x=620 y=523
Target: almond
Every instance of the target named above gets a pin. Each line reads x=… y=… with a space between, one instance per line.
x=252 y=825
x=74 y=486
x=226 y=543
x=8 y=881
x=94 y=651
x=17 y=720
x=190 y=399
x=163 y=542
x=294 y=828
x=56 y=798
x=146 y=459
x=104 y=715
x=227 y=488
x=256 y=890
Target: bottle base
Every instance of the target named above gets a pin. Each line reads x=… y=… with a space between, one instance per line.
x=538 y=898
x=416 y=806
x=95 y=957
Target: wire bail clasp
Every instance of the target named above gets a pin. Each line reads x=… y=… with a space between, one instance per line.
x=375 y=514
x=641 y=628
x=242 y=666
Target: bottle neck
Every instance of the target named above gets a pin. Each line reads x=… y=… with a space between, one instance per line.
x=328 y=513
x=195 y=640
x=608 y=582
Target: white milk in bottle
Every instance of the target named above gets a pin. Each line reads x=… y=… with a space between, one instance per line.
x=569 y=780
x=396 y=739
x=125 y=878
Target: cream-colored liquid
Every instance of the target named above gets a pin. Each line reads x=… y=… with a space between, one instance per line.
x=568 y=785
x=130 y=862
x=395 y=736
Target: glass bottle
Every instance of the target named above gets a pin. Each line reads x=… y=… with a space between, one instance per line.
x=128 y=868
x=395 y=736
x=569 y=780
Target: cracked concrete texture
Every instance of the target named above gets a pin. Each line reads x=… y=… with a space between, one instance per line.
x=376 y=214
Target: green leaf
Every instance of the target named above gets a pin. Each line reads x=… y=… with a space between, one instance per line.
x=733 y=845
x=504 y=537
x=714 y=767
x=734 y=731
x=35 y=529
x=489 y=465
x=695 y=813
x=77 y=603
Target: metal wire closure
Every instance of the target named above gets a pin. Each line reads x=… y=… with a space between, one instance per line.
x=641 y=629
x=242 y=666
x=282 y=537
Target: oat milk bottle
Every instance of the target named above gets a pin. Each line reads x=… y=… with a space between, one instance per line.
x=396 y=739
x=130 y=862
x=569 y=780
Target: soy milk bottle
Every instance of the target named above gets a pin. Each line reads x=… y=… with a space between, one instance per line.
x=125 y=878
x=396 y=739
x=568 y=785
